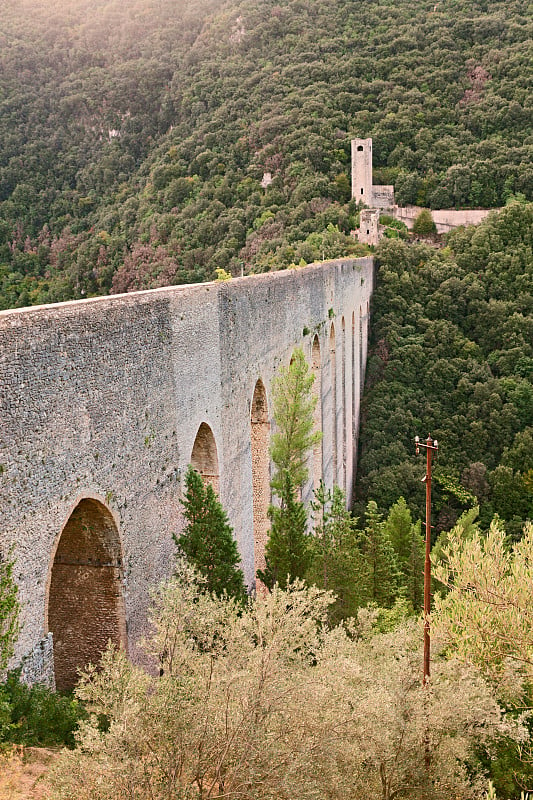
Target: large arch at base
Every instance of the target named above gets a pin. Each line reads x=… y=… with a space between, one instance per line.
x=85 y=607
x=333 y=380
x=342 y=476
x=316 y=366
x=260 y=439
x=355 y=389
x=204 y=456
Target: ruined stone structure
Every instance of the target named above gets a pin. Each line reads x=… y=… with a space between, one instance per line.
x=445 y=219
x=382 y=198
x=369 y=232
x=104 y=403
x=362 y=188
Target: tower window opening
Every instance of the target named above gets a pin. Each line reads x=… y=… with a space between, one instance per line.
x=362 y=191
x=360 y=148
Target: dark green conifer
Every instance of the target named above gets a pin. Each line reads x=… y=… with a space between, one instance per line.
x=207 y=541
x=337 y=563
x=383 y=576
x=287 y=552
x=408 y=543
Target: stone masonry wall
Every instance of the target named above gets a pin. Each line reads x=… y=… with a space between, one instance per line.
x=445 y=219
x=101 y=400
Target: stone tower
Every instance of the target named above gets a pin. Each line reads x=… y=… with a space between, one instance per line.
x=362 y=171
x=369 y=226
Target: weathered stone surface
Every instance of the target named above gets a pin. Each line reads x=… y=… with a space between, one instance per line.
x=445 y=219
x=38 y=665
x=369 y=226
x=102 y=400
x=362 y=171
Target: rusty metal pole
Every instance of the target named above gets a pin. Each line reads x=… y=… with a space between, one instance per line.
x=427 y=563
x=431 y=446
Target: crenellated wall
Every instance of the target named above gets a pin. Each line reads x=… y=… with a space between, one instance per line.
x=101 y=404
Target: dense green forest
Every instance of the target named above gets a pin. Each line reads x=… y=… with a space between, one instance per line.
x=135 y=135
x=452 y=355
x=134 y=138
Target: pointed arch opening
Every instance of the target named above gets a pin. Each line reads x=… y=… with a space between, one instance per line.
x=260 y=440
x=85 y=604
x=333 y=379
x=343 y=400
x=361 y=354
x=316 y=366
x=204 y=456
x=355 y=404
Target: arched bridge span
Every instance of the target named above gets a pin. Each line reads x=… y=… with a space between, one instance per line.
x=104 y=403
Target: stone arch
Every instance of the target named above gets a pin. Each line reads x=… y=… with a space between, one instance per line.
x=204 y=456
x=85 y=602
x=355 y=401
x=333 y=378
x=344 y=399
x=364 y=341
x=316 y=367
x=361 y=353
x=260 y=438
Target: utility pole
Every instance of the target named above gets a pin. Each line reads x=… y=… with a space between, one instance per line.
x=432 y=446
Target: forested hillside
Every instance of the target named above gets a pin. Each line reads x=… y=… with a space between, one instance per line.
x=452 y=355
x=134 y=134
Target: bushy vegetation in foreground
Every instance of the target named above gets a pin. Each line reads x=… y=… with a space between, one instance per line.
x=268 y=701
x=35 y=715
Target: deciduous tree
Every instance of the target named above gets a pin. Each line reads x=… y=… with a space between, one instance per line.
x=487 y=614
x=267 y=701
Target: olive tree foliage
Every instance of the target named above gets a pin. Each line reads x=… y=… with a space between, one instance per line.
x=269 y=702
x=487 y=614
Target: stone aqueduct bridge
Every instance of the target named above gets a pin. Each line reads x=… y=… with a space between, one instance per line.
x=103 y=404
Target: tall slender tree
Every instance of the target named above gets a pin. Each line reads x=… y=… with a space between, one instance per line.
x=287 y=551
x=383 y=576
x=293 y=407
x=408 y=543
x=337 y=563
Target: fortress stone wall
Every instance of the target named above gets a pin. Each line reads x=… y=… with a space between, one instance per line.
x=445 y=219
x=104 y=403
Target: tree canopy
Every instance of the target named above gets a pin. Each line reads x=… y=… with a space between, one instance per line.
x=452 y=355
x=135 y=136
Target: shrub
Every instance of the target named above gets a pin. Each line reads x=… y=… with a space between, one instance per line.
x=424 y=224
x=35 y=715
